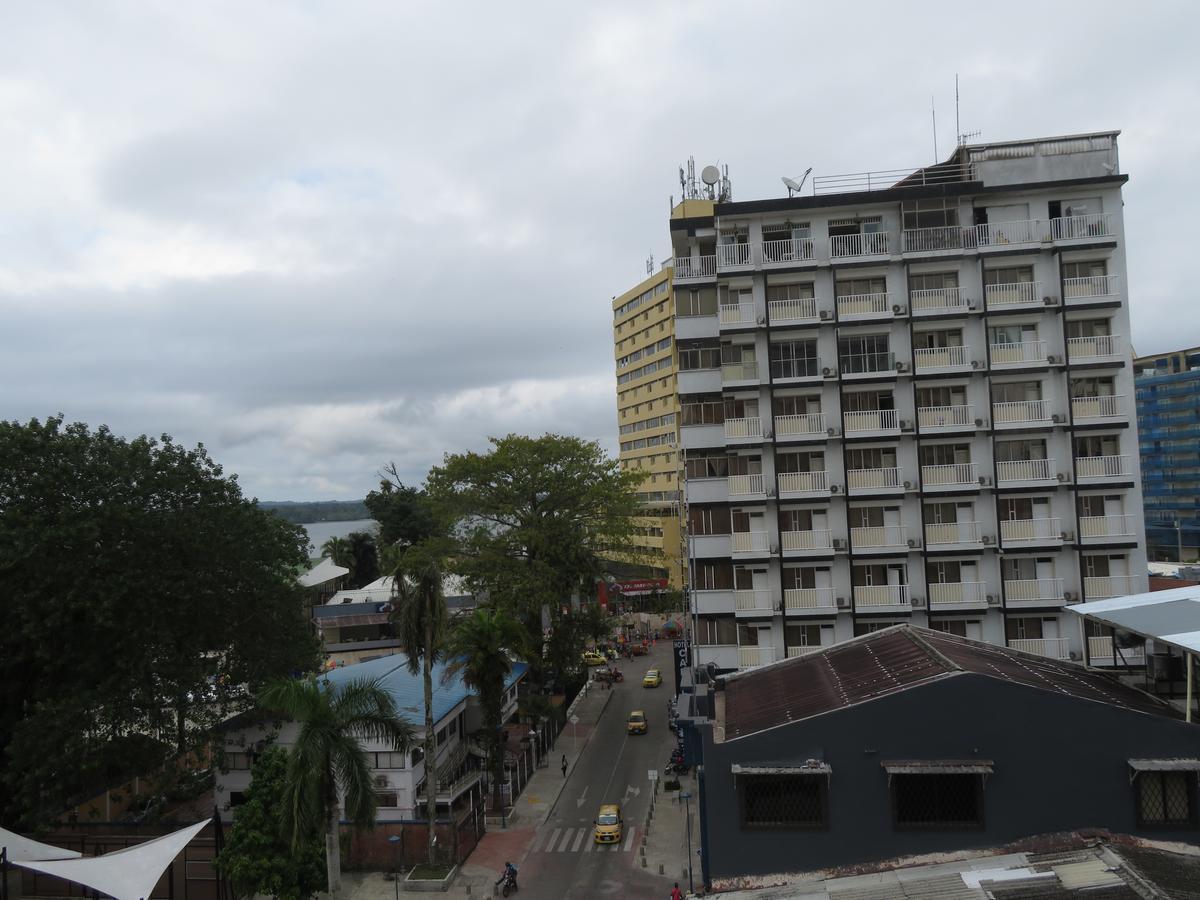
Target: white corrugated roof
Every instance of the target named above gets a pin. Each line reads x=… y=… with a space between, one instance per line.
x=1172 y=617
x=325 y=570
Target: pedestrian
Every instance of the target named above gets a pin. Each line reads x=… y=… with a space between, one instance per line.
x=564 y=765
x=676 y=893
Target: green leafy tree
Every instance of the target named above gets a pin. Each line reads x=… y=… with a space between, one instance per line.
x=258 y=857
x=143 y=595
x=327 y=757
x=405 y=514
x=364 y=559
x=480 y=648
x=337 y=549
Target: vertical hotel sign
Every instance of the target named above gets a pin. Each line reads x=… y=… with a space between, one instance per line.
x=680 y=655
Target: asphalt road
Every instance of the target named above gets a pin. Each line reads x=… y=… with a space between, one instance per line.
x=563 y=860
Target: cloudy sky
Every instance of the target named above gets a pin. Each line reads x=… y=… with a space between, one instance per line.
x=319 y=237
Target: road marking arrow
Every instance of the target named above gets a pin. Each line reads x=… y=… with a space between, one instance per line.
x=582 y=797
x=630 y=789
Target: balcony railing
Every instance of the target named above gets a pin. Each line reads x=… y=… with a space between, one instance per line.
x=957 y=592
x=1102 y=466
x=1105 y=407
x=742 y=485
x=948 y=237
x=744 y=371
x=1025 y=470
x=933 y=417
x=809 y=598
x=952 y=533
x=1054 y=648
x=880 y=595
x=817 y=539
x=1017 y=293
x=787 y=250
x=851 y=306
x=801 y=309
x=734 y=255
x=803 y=482
x=870 y=420
x=873 y=243
x=1100 y=587
x=749 y=541
x=752 y=601
x=793 y=652
x=1023 y=353
x=1014 y=531
x=749 y=657
x=869 y=479
x=687 y=268
x=1119 y=526
x=878 y=536
x=1101 y=647
x=926 y=358
x=1072 y=228
x=954 y=473
x=743 y=428
x=1034 y=589
x=737 y=313
x=1089 y=286
x=1026 y=231
x=805 y=423
x=1018 y=411
x=1098 y=346
x=931 y=299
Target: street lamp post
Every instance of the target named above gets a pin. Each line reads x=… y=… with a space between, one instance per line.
x=686 y=797
x=394 y=840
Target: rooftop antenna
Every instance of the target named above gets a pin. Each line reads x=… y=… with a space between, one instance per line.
x=793 y=186
x=711 y=175
x=957 y=126
x=933 y=110
x=650 y=264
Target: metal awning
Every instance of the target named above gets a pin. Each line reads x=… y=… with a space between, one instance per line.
x=1165 y=765
x=343 y=621
x=810 y=767
x=938 y=766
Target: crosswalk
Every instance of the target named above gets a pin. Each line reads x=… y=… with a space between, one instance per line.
x=578 y=840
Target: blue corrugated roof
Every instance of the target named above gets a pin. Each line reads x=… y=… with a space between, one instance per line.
x=408 y=690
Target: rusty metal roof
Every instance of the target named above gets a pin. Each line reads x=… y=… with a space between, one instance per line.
x=899 y=659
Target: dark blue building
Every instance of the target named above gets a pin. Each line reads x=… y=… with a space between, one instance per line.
x=1168 y=412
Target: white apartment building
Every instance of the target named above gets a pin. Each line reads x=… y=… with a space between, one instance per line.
x=908 y=397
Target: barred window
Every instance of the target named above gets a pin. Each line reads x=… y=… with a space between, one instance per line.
x=783 y=801
x=1164 y=799
x=386 y=799
x=937 y=801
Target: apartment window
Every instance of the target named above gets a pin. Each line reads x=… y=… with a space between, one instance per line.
x=1165 y=799
x=938 y=340
x=869 y=401
x=720 y=630
x=848 y=287
x=416 y=756
x=941 y=801
x=713 y=465
x=798 y=291
x=783 y=801
x=932 y=281
x=236 y=761
x=703 y=409
x=871 y=626
x=945 y=454
x=713 y=577
x=964 y=628
x=1008 y=275
x=937 y=213
x=386 y=799
x=868 y=353
x=696 y=302
x=692 y=358
x=794 y=359
x=704 y=520
x=807 y=461
x=1085 y=328
x=796 y=406
x=803 y=635
x=1016 y=391
x=1092 y=268
x=388 y=760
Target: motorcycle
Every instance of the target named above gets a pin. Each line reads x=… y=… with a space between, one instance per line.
x=618 y=675
x=509 y=884
x=676 y=769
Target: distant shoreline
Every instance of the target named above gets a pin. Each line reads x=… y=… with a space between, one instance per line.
x=300 y=512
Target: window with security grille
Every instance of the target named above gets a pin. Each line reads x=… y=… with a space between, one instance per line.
x=783 y=801
x=937 y=801
x=1165 y=799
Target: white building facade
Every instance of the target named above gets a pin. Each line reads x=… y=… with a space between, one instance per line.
x=909 y=398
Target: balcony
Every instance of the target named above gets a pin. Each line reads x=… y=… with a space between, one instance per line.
x=809 y=600
x=787 y=251
x=881 y=597
x=1017 y=294
x=969 y=593
x=949 y=535
x=874 y=243
x=1100 y=651
x=1090 y=287
x=879 y=537
x=933 y=240
x=1100 y=529
x=1093 y=469
x=749 y=657
x=952 y=475
x=1097 y=348
x=691 y=327
x=881 y=422
x=739 y=373
x=801 y=311
x=689 y=268
x=1098 y=409
x=1034 y=590
x=1052 y=648
x=735 y=256
x=1002 y=235
x=1073 y=229
x=699 y=381
x=1026 y=353
x=742 y=486
x=693 y=437
x=750 y=542
x=723 y=656
x=816 y=541
x=1036 y=532
x=793 y=652
x=1101 y=587
x=1026 y=471
x=1021 y=413
x=707 y=490
x=864 y=306
x=708 y=546
x=942 y=359
x=856 y=365
x=743 y=429
x=945 y=418
x=799 y=484
x=734 y=314
x=938 y=300
x=757 y=602
x=712 y=602
x=860 y=481
x=805 y=425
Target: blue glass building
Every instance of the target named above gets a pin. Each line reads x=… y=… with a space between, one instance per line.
x=1168 y=411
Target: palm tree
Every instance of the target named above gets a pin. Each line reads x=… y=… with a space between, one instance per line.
x=337 y=549
x=479 y=650
x=421 y=623
x=328 y=757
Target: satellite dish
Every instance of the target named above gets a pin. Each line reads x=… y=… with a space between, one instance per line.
x=794 y=186
x=710 y=175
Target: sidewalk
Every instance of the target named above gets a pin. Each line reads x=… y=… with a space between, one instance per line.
x=665 y=840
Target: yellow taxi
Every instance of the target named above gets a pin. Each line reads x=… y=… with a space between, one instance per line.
x=608 y=824
x=652 y=678
x=637 y=722
x=594 y=658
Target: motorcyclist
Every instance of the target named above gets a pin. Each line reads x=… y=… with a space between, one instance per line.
x=509 y=873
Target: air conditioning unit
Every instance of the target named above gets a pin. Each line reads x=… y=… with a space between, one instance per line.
x=914 y=543
x=988 y=540
x=993 y=600
x=1070 y=596
x=975 y=364
x=1049 y=301
x=906 y=424
x=901 y=367
x=762 y=320
x=908 y=485
x=770 y=492
x=1054 y=360
x=839 y=544
x=843 y=603
x=1073 y=656
x=381 y=781
x=827 y=372
x=898 y=310
x=972 y=306
x=768 y=433
x=832 y=432
x=979 y=423
x=833 y=489
x=774 y=549
x=918 y=602
x=1062 y=476
x=1067 y=536
x=826 y=315
x=984 y=480
x=1057 y=419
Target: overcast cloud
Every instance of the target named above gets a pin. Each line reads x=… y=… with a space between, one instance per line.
x=319 y=237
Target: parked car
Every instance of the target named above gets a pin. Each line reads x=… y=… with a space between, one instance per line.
x=652 y=678
x=608 y=824
x=592 y=658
